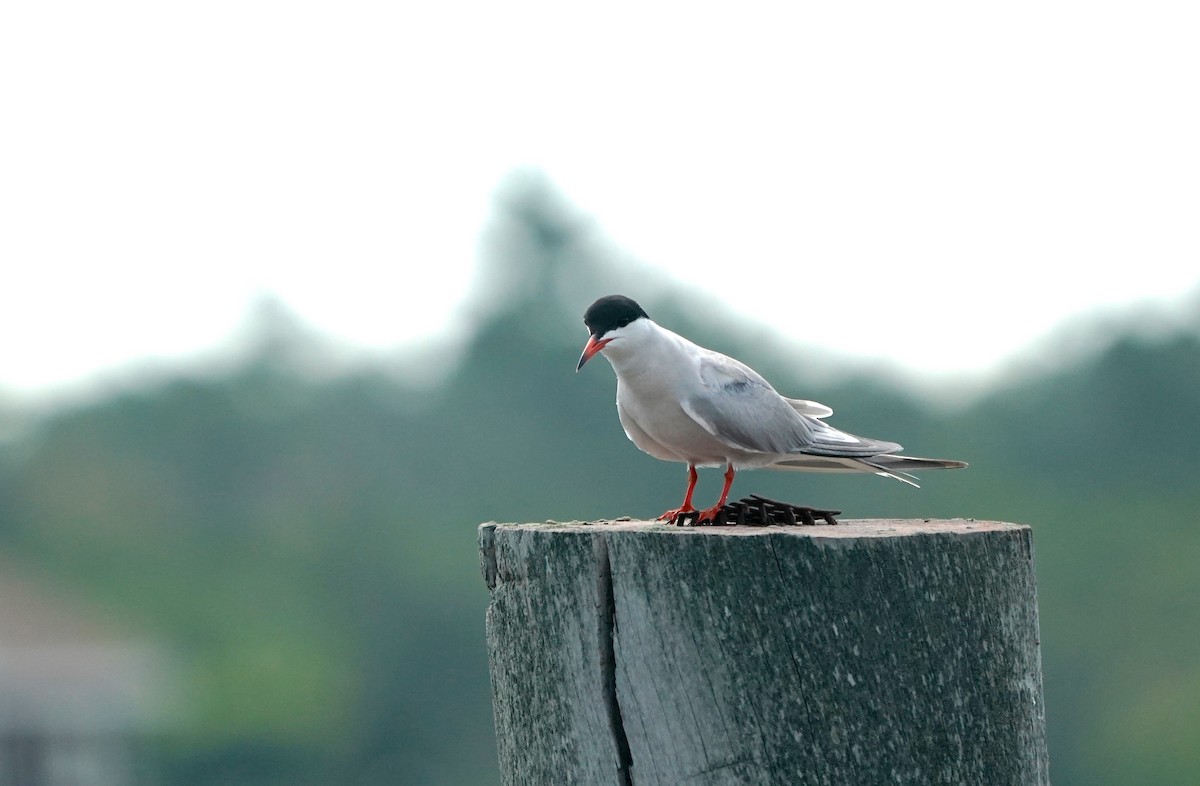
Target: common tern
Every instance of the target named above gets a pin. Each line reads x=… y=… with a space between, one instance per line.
x=681 y=402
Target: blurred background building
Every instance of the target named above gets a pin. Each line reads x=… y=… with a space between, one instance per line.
x=81 y=702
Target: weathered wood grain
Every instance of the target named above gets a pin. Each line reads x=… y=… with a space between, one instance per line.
x=900 y=652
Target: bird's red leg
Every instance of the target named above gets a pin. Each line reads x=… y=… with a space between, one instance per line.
x=686 y=507
x=711 y=513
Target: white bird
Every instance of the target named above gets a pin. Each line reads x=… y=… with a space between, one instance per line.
x=681 y=402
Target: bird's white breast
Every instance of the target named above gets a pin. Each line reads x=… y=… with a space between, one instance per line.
x=657 y=370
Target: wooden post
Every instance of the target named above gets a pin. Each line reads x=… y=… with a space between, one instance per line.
x=872 y=652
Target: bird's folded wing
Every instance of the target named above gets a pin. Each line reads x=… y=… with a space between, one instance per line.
x=828 y=441
x=750 y=417
x=742 y=410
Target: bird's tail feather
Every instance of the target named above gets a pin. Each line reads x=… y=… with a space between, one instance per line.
x=897 y=467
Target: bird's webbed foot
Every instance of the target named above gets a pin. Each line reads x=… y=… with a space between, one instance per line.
x=677 y=515
x=691 y=517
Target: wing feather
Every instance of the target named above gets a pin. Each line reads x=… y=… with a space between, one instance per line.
x=810 y=408
x=740 y=408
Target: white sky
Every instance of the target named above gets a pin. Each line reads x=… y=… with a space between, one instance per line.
x=984 y=169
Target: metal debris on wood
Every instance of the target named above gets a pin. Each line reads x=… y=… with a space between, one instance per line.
x=756 y=511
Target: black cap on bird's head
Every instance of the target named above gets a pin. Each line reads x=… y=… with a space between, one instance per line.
x=611 y=312
x=604 y=316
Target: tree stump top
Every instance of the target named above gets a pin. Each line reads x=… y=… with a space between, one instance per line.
x=850 y=528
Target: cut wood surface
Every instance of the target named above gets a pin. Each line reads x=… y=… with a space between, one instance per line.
x=871 y=652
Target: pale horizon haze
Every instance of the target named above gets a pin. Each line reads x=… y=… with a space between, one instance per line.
x=936 y=185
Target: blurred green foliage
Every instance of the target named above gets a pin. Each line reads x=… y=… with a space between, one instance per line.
x=306 y=543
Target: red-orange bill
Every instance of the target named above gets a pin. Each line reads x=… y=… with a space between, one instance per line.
x=593 y=346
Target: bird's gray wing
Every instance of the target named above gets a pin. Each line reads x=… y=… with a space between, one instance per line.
x=740 y=408
x=810 y=408
x=829 y=441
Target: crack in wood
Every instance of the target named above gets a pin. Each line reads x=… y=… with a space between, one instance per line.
x=608 y=661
